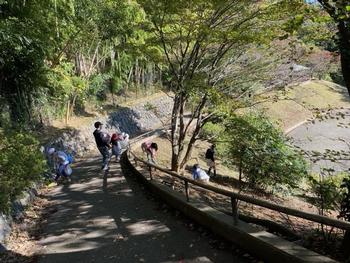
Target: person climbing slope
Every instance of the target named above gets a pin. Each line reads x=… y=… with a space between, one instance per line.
x=150 y=148
x=210 y=156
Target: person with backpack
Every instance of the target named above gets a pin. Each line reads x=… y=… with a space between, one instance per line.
x=150 y=148
x=61 y=162
x=210 y=156
x=103 y=141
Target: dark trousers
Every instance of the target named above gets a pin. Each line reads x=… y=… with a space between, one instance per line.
x=105 y=154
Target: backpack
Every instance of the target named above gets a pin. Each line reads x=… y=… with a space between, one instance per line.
x=208 y=154
x=106 y=138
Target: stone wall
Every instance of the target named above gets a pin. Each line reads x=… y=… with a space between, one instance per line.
x=133 y=120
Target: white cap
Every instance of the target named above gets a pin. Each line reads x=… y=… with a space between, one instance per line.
x=51 y=151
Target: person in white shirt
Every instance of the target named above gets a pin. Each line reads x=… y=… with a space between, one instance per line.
x=199 y=174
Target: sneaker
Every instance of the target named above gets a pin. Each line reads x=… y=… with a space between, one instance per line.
x=105 y=168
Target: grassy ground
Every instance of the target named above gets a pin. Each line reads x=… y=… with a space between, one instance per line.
x=297 y=103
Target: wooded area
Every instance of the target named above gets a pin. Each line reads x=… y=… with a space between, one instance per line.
x=216 y=58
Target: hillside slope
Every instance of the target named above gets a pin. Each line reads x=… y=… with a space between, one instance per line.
x=298 y=103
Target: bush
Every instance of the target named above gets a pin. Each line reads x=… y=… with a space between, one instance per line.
x=212 y=131
x=261 y=152
x=21 y=163
x=327 y=192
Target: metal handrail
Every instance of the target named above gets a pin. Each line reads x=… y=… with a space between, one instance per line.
x=256 y=201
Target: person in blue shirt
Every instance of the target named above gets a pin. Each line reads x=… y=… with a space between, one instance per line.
x=61 y=162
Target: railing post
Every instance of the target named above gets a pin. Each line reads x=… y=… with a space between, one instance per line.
x=150 y=172
x=234 y=210
x=187 y=190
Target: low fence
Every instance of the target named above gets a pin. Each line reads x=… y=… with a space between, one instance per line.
x=248 y=199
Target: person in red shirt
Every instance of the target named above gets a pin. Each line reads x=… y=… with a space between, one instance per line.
x=119 y=140
x=150 y=148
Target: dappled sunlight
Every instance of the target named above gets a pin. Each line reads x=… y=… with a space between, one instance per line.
x=189 y=260
x=108 y=217
x=147 y=227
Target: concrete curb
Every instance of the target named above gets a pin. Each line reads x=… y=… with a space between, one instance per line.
x=260 y=243
x=289 y=130
x=17 y=209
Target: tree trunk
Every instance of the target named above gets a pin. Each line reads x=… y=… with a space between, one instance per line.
x=344 y=47
x=67 y=111
x=174 y=135
x=160 y=77
x=73 y=105
x=137 y=79
x=189 y=148
x=77 y=64
x=112 y=90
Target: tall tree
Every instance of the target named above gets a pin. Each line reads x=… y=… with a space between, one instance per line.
x=202 y=41
x=23 y=48
x=339 y=10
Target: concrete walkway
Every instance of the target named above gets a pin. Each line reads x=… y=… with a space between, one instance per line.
x=107 y=218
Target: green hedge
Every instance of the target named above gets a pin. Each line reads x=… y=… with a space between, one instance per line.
x=21 y=163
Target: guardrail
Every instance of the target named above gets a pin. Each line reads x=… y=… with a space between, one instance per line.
x=237 y=196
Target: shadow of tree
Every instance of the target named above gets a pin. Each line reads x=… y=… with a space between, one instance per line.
x=106 y=217
x=11 y=257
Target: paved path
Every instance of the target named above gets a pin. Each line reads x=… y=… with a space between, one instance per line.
x=329 y=134
x=108 y=218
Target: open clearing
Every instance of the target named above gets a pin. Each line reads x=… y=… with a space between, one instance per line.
x=298 y=103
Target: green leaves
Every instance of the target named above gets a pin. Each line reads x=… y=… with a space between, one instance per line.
x=327 y=191
x=21 y=163
x=260 y=151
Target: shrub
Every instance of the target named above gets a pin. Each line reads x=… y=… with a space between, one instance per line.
x=261 y=152
x=212 y=131
x=327 y=192
x=21 y=163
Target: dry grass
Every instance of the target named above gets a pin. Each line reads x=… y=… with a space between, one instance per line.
x=297 y=103
x=320 y=94
x=198 y=155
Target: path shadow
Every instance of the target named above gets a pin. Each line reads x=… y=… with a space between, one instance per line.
x=11 y=257
x=105 y=217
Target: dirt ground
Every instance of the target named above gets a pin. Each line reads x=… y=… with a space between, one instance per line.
x=198 y=156
x=22 y=243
